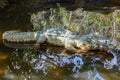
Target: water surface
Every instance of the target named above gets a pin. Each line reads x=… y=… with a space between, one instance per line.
x=55 y=63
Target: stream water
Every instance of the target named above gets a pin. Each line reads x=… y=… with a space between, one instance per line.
x=51 y=62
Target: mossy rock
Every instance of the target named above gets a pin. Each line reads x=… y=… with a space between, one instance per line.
x=80 y=21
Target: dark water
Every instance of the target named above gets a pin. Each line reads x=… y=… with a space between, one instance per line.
x=50 y=62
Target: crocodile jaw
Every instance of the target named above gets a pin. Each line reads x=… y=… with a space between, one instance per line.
x=12 y=36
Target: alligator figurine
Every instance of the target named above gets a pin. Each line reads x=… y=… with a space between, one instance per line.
x=59 y=37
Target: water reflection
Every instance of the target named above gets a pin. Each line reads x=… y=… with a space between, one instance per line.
x=56 y=64
x=114 y=62
x=44 y=61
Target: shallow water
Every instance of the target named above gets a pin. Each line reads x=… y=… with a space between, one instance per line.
x=50 y=62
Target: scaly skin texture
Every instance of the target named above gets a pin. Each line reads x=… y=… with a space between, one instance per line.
x=60 y=37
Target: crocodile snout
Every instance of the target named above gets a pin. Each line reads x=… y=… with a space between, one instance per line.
x=13 y=36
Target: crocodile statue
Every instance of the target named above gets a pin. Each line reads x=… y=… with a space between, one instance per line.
x=60 y=37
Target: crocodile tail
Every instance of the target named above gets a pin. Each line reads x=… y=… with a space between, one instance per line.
x=16 y=37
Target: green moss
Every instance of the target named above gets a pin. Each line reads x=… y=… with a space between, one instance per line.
x=78 y=20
